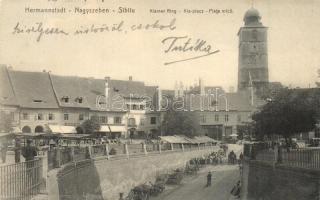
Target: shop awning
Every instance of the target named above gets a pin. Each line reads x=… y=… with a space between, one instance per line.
x=62 y=129
x=107 y=128
x=74 y=136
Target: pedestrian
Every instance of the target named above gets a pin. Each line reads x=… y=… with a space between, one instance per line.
x=29 y=152
x=3 y=150
x=209 y=177
x=236 y=190
x=241 y=157
x=17 y=150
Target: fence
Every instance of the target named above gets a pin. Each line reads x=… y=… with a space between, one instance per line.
x=305 y=158
x=20 y=181
x=63 y=155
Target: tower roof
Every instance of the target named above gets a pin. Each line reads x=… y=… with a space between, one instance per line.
x=252 y=17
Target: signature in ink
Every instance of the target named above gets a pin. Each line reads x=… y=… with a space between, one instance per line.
x=186 y=44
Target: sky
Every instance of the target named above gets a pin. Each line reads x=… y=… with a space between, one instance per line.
x=293 y=40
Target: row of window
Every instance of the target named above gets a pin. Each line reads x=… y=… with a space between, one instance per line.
x=66 y=116
x=104 y=119
x=132 y=121
x=39 y=116
x=136 y=107
x=217 y=118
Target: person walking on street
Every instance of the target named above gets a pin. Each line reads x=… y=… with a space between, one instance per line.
x=241 y=157
x=209 y=177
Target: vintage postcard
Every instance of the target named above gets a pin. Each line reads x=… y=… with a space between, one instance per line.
x=150 y=99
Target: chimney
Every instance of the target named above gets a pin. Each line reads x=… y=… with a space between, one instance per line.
x=130 y=78
x=107 y=88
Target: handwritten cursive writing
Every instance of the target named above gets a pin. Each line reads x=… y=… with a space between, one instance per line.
x=185 y=44
x=38 y=29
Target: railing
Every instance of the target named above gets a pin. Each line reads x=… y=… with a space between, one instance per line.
x=63 y=155
x=304 y=158
x=20 y=181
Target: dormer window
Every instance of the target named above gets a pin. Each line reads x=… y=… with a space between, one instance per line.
x=79 y=99
x=65 y=99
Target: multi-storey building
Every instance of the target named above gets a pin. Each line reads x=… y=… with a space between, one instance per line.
x=37 y=100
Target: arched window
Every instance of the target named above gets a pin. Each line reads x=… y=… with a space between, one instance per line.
x=26 y=129
x=38 y=129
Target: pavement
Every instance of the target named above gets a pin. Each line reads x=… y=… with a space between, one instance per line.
x=224 y=177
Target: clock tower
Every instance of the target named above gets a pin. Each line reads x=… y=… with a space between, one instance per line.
x=253 y=53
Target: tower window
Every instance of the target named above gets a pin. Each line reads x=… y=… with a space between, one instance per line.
x=255 y=34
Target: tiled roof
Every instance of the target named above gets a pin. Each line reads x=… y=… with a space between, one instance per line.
x=44 y=90
x=69 y=87
x=7 y=96
x=33 y=89
x=234 y=102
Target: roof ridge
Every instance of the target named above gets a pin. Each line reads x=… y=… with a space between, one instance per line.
x=11 y=85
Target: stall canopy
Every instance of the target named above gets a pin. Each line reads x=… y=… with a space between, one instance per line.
x=62 y=129
x=175 y=139
x=5 y=135
x=234 y=135
x=181 y=139
x=107 y=128
x=205 y=139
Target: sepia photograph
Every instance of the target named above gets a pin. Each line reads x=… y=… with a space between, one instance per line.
x=159 y=100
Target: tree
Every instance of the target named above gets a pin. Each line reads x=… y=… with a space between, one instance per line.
x=290 y=112
x=5 y=122
x=91 y=125
x=180 y=123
